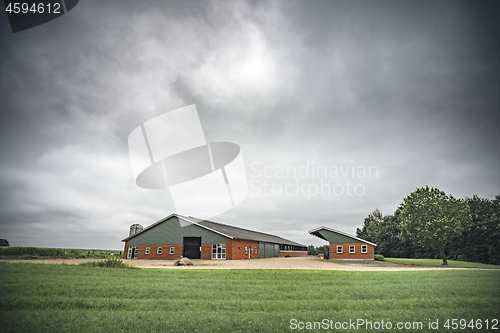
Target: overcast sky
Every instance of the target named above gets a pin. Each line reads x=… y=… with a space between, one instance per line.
x=405 y=93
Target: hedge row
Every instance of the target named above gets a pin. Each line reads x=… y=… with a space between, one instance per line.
x=32 y=251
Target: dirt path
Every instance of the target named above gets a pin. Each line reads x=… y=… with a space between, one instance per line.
x=309 y=262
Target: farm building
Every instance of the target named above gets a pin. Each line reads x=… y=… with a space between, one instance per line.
x=177 y=235
x=345 y=246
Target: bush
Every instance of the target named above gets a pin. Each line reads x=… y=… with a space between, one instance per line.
x=110 y=263
x=75 y=253
x=379 y=257
x=29 y=256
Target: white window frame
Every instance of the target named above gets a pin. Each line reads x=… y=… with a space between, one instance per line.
x=340 y=249
x=172 y=250
x=129 y=254
x=158 y=250
x=364 y=248
x=246 y=249
x=352 y=249
x=147 y=250
x=218 y=251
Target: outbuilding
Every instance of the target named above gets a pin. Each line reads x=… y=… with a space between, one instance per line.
x=345 y=246
x=177 y=235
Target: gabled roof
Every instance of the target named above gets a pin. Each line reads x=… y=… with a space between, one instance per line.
x=225 y=230
x=150 y=226
x=317 y=234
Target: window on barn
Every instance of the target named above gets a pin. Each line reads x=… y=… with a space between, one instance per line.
x=158 y=250
x=132 y=252
x=218 y=251
x=351 y=249
x=172 y=250
x=340 y=249
x=364 y=249
x=246 y=250
x=147 y=250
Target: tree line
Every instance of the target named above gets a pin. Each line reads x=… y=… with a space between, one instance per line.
x=314 y=251
x=431 y=224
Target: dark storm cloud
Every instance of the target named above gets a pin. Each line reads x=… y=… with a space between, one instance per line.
x=408 y=87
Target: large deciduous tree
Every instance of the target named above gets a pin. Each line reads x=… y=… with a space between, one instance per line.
x=385 y=231
x=429 y=217
x=371 y=226
x=481 y=236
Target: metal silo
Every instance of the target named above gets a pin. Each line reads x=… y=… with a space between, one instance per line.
x=134 y=229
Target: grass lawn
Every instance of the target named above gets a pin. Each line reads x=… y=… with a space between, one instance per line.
x=67 y=298
x=439 y=262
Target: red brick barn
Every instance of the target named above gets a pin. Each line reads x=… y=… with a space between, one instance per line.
x=345 y=246
x=177 y=235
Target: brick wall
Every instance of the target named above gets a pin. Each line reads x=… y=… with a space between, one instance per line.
x=229 y=249
x=206 y=251
x=235 y=249
x=165 y=252
x=356 y=255
x=293 y=253
x=125 y=251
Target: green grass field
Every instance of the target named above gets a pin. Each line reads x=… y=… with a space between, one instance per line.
x=71 y=298
x=439 y=263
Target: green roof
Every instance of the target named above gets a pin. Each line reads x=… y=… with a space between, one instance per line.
x=337 y=237
x=224 y=230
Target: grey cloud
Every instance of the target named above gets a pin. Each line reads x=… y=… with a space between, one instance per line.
x=410 y=87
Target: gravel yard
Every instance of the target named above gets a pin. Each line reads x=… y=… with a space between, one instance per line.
x=309 y=262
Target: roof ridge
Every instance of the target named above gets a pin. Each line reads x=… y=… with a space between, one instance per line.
x=232 y=226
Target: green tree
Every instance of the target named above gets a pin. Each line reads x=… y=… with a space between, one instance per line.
x=389 y=241
x=481 y=235
x=311 y=250
x=385 y=231
x=429 y=217
x=371 y=226
x=323 y=249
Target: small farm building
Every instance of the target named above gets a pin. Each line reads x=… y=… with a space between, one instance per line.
x=345 y=246
x=177 y=235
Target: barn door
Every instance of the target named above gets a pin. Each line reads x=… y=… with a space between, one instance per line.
x=191 y=248
x=262 y=252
